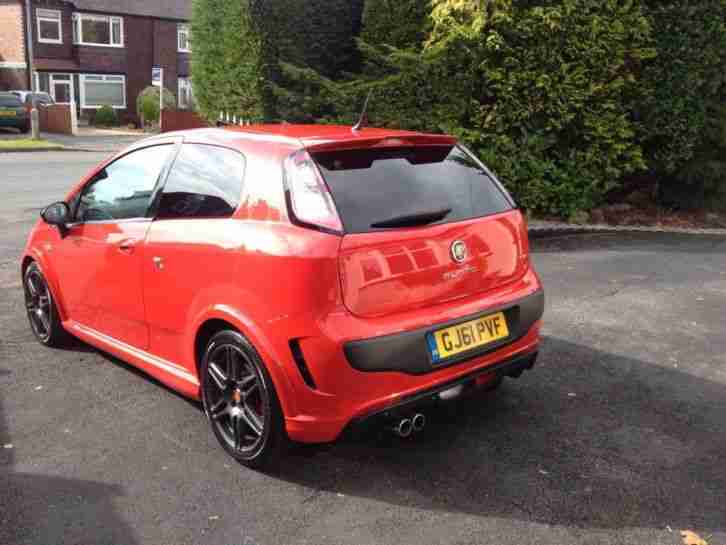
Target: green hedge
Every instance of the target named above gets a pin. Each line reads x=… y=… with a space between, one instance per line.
x=239 y=46
x=684 y=115
x=565 y=99
x=400 y=23
x=228 y=69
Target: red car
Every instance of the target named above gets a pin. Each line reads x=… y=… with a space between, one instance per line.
x=299 y=280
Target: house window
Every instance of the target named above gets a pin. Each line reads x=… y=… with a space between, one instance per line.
x=49 y=26
x=100 y=90
x=182 y=38
x=185 y=93
x=101 y=30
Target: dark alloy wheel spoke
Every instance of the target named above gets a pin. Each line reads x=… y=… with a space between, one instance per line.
x=31 y=286
x=44 y=320
x=219 y=409
x=246 y=382
x=249 y=391
x=253 y=421
x=220 y=379
x=231 y=367
x=237 y=431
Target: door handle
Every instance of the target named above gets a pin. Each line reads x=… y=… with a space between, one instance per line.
x=158 y=262
x=127 y=246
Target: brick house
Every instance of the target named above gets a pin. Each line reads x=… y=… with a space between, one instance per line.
x=96 y=52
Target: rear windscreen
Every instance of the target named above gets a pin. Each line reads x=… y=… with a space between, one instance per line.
x=10 y=101
x=432 y=184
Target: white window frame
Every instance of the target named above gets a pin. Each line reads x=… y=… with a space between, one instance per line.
x=110 y=19
x=185 y=82
x=53 y=78
x=49 y=16
x=98 y=78
x=182 y=29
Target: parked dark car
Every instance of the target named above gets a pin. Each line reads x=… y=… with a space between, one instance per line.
x=13 y=113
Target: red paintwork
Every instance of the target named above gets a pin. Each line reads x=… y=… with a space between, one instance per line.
x=275 y=281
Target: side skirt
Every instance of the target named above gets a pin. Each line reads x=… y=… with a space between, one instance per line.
x=173 y=375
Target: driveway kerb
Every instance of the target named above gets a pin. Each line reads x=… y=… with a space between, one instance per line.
x=544 y=229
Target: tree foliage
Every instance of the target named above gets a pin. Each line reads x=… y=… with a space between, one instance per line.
x=401 y=23
x=228 y=67
x=554 y=83
x=564 y=99
x=686 y=78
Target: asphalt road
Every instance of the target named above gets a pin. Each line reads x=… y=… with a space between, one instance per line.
x=618 y=436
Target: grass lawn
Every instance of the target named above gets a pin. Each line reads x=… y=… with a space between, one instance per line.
x=27 y=144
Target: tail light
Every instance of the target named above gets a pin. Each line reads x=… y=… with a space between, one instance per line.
x=309 y=198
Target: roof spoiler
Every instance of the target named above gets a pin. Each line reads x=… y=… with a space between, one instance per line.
x=398 y=141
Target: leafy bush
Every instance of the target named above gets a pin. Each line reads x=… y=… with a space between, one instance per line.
x=400 y=23
x=686 y=79
x=565 y=99
x=684 y=115
x=147 y=103
x=701 y=182
x=105 y=117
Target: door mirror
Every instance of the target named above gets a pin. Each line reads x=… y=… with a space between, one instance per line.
x=57 y=213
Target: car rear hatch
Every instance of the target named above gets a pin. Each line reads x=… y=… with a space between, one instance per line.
x=424 y=224
x=10 y=107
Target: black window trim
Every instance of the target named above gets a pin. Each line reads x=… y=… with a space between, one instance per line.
x=75 y=201
x=159 y=190
x=491 y=175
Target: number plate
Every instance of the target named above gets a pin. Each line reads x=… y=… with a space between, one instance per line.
x=459 y=338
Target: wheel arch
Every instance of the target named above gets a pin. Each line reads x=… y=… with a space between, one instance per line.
x=220 y=320
x=38 y=258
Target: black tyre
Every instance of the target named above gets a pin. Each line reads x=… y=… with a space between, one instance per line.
x=24 y=129
x=41 y=308
x=241 y=403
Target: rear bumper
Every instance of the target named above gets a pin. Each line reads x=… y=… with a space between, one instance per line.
x=509 y=367
x=408 y=352
x=16 y=122
x=373 y=396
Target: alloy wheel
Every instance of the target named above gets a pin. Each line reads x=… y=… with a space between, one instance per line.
x=236 y=398
x=38 y=304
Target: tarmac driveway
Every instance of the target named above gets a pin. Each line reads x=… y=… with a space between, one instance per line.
x=617 y=436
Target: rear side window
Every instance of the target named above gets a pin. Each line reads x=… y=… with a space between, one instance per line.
x=205 y=182
x=375 y=189
x=10 y=101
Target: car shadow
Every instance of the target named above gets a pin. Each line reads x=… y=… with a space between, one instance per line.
x=587 y=439
x=36 y=508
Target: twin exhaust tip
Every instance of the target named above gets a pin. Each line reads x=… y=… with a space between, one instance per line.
x=406 y=426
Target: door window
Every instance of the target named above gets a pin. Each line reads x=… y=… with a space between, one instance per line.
x=123 y=189
x=205 y=182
